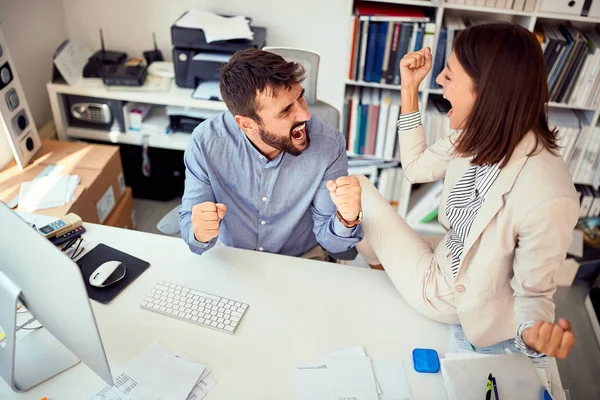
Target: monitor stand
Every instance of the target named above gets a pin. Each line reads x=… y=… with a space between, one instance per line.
x=34 y=358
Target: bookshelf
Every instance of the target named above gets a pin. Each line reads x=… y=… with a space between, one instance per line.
x=570 y=100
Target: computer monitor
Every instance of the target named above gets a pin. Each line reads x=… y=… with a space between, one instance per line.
x=50 y=285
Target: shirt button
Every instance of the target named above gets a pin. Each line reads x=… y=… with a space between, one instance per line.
x=262 y=222
x=260 y=249
x=460 y=289
x=264 y=199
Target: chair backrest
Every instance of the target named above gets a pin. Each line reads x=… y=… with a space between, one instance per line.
x=310 y=61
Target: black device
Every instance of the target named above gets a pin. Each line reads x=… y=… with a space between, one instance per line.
x=64 y=238
x=94 y=113
x=97 y=63
x=125 y=75
x=153 y=55
x=196 y=61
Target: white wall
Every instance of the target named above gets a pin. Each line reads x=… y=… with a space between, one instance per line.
x=33 y=30
x=318 y=25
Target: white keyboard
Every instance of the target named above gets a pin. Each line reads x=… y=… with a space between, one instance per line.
x=195 y=306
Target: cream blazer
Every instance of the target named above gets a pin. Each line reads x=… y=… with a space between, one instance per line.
x=518 y=240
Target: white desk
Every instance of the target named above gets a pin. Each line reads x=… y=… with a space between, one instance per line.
x=299 y=310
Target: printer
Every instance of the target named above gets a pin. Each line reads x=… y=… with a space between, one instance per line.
x=196 y=61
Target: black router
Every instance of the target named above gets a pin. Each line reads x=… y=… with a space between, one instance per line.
x=153 y=55
x=101 y=59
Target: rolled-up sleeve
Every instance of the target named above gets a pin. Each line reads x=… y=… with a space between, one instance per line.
x=330 y=232
x=197 y=190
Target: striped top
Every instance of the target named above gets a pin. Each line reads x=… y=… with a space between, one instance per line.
x=464 y=201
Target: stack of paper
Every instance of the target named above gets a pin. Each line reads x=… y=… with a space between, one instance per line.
x=46 y=192
x=350 y=374
x=158 y=373
x=216 y=27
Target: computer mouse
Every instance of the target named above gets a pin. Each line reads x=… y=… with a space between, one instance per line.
x=107 y=274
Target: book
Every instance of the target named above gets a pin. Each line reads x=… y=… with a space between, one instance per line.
x=371 y=139
x=389 y=78
x=355 y=23
x=428 y=41
x=439 y=61
x=387 y=52
x=518 y=5
x=363 y=50
x=346 y=112
x=354 y=125
x=379 y=51
x=384 y=111
x=419 y=38
x=371 y=52
x=529 y=5
x=391 y=130
x=405 y=34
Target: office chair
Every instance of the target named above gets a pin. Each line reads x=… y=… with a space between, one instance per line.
x=169 y=224
x=310 y=61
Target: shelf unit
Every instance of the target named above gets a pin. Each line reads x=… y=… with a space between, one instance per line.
x=439 y=9
x=175 y=96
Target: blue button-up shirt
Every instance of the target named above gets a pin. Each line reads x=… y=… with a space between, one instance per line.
x=279 y=206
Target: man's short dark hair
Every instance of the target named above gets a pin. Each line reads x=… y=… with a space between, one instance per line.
x=251 y=71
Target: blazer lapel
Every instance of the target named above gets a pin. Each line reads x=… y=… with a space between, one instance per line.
x=494 y=199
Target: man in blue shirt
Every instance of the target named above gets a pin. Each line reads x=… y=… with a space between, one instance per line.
x=266 y=175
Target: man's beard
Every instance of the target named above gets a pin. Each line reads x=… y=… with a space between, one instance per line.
x=286 y=143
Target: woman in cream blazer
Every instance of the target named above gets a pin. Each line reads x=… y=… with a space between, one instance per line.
x=509 y=205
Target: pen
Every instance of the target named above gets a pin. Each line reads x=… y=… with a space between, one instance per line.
x=495 y=388
x=488 y=390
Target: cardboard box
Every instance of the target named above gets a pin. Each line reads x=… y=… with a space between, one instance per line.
x=123 y=216
x=98 y=166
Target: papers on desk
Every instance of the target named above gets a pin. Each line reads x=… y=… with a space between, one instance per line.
x=49 y=189
x=350 y=374
x=216 y=27
x=158 y=373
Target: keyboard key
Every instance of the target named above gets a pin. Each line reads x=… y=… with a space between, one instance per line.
x=227 y=311
x=229 y=328
x=236 y=314
x=235 y=319
x=214 y=323
x=194 y=318
x=227 y=306
x=220 y=326
x=231 y=302
x=241 y=310
x=144 y=303
x=238 y=304
x=244 y=306
x=220 y=315
x=220 y=320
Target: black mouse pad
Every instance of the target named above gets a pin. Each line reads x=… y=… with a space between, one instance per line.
x=98 y=256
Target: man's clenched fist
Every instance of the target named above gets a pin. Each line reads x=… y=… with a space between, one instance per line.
x=345 y=193
x=206 y=218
